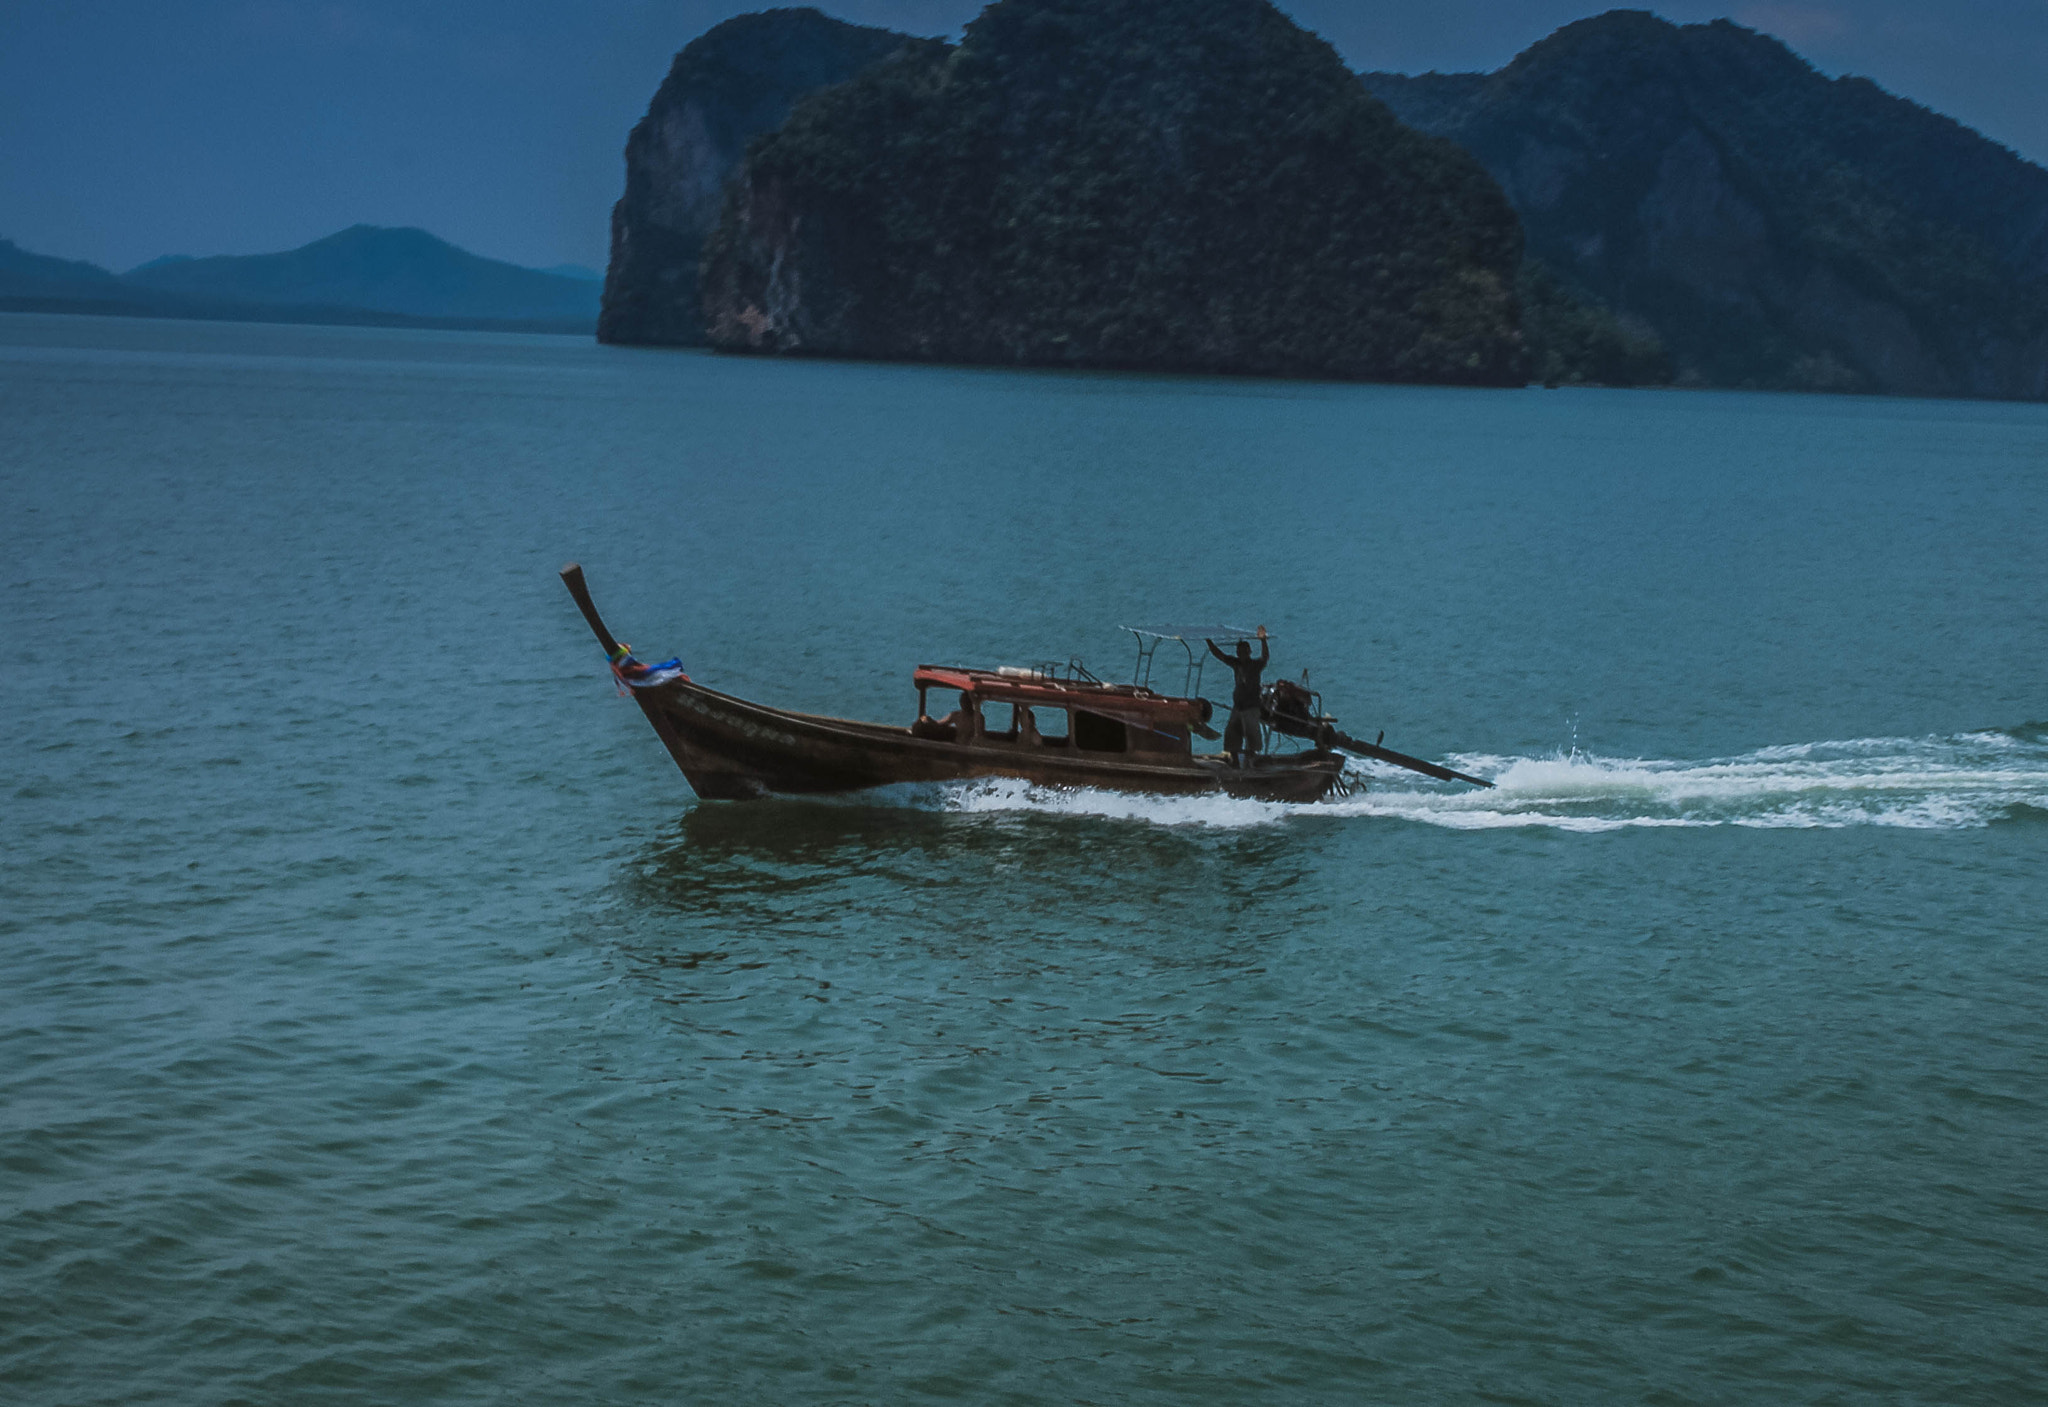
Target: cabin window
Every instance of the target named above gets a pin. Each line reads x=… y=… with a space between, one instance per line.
x=999 y=721
x=1095 y=733
x=1051 y=724
x=938 y=729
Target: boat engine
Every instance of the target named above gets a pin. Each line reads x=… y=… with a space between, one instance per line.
x=1297 y=710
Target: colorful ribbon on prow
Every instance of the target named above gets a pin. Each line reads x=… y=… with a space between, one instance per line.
x=628 y=672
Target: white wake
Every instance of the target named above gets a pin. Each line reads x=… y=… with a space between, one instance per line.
x=1941 y=783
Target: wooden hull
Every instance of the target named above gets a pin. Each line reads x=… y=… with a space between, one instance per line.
x=733 y=750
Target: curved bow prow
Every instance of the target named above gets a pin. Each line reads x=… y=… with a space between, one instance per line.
x=572 y=577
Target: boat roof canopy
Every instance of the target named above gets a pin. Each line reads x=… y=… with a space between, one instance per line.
x=1039 y=686
x=1195 y=633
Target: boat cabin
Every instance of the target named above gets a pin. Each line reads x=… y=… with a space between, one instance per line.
x=1016 y=708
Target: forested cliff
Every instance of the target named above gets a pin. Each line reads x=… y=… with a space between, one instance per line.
x=1202 y=185
x=1774 y=227
x=1175 y=184
x=1171 y=184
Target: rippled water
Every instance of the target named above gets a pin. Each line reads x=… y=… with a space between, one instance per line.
x=383 y=1021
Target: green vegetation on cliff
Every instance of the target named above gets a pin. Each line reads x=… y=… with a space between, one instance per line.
x=1577 y=340
x=1174 y=184
x=1772 y=226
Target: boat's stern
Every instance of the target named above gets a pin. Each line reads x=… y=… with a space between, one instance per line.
x=1294 y=776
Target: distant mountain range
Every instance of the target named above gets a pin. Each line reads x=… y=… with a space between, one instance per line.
x=366 y=274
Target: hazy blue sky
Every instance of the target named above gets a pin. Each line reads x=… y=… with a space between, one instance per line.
x=133 y=128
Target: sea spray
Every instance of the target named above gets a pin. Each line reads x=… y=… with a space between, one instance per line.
x=1954 y=782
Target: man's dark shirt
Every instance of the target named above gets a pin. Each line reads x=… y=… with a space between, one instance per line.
x=1247 y=670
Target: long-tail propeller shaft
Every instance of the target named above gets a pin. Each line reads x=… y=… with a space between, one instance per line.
x=1291 y=709
x=1402 y=759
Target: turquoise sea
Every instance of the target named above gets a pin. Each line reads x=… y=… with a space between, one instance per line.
x=382 y=1020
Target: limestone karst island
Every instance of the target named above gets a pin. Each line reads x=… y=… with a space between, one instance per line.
x=1202 y=185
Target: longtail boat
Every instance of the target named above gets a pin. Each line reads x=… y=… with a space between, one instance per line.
x=1053 y=726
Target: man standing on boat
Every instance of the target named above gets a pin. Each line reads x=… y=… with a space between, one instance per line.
x=1241 y=734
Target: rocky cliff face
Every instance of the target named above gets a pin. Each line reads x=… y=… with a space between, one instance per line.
x=1183 y=184
x=729 y=86
x=1775 y=227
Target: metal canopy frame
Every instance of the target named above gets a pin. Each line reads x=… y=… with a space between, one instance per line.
x=1151 y=637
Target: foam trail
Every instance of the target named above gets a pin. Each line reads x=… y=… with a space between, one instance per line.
x=1940 y=783
x=1008 y=794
